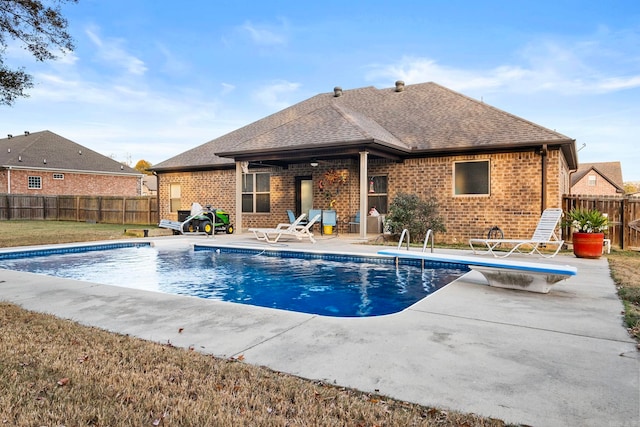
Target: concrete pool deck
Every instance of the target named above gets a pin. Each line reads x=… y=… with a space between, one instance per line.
x=557 y=359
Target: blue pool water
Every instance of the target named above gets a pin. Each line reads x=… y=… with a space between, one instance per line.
x=332 y=285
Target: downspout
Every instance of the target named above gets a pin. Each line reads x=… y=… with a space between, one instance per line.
x=157 y=195
x=544 y=160
x=9 y=180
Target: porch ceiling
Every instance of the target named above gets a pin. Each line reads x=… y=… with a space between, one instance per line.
x=284 y=157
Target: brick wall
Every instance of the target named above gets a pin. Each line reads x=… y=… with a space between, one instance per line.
x=215 y=188
x=76 y=184
x=514 y=202
x=602 y=187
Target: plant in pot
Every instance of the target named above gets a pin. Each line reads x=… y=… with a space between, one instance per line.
x=588 y=235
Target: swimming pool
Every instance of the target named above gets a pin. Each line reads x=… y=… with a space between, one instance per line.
x=324 y=284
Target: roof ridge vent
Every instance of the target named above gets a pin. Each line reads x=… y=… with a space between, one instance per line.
x=337 y=91
x=399 y=86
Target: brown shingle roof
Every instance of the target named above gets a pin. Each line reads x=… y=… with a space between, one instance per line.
x=611 y=171
x=30 y=150
x=422 y=119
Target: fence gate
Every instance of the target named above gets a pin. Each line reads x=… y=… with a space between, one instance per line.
x=623 y=213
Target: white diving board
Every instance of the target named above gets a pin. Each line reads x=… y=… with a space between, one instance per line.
x=511 y=274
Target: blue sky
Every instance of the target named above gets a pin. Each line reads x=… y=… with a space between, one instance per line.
x=150 y=79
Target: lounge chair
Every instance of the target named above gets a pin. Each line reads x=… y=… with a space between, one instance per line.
x=272 y=235
x=544 y=235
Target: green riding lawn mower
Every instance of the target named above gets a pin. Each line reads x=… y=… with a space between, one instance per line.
x=200 y=221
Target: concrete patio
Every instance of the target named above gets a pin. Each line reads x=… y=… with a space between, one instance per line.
x=557 y=359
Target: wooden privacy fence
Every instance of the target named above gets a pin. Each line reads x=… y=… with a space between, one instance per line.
x=104 y=209
x=623 y=212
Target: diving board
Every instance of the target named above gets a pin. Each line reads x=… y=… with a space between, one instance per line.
x=501 y=273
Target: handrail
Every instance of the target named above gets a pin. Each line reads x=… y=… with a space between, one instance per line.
x=426 y=239
x=405 y=231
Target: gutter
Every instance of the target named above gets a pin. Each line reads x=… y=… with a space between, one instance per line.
x=78 y=171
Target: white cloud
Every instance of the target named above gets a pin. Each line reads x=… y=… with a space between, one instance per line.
x=227 y=88
x=111 y=52
x=581 y=68
x=263 y=35
x=277 y=95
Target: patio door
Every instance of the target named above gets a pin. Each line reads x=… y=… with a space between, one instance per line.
x=304 y=194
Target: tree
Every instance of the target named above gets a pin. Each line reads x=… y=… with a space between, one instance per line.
x=630 y=187
x=143 y=167
x=40 y=29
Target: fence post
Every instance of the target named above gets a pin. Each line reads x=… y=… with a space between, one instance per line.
x=625 y=221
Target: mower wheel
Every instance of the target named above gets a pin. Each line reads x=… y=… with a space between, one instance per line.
x=207 y=227
x=229 y=229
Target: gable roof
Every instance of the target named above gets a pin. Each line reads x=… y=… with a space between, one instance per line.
x=416 y=120
x=47 y=150
x=611 y=171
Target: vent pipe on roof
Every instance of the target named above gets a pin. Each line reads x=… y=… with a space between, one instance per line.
x=399 y=86
x=337 y=91
x=9 y=136
x=26 y=132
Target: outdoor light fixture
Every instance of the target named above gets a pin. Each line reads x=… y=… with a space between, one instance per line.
x=314 y=164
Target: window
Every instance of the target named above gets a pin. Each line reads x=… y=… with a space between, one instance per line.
x=471 y=177
x=256 y=195
x=378 y=193
x=58 y=176
x=175 y=193
x=35 y=182
x=591 y=181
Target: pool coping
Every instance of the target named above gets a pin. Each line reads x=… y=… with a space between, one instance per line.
x=561 y=358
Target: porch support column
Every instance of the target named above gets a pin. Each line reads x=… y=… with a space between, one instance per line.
x=364 y=176
x=238 y=196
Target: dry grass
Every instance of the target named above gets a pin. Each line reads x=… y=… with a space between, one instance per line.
x=56 y=372
x=18 y=233
x=625 y=270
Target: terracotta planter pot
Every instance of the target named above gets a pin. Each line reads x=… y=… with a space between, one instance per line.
x=587 y=245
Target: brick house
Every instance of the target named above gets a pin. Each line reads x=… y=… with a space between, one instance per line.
x=43 y=163
x=358 y=148
x=598 y=179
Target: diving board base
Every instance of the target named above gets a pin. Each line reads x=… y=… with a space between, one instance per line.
x=520 y=280
x=510 y=274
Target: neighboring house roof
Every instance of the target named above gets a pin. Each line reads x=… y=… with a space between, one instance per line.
x=416 y=120
x=151 y=182
x=46 y=150
x=611 y=171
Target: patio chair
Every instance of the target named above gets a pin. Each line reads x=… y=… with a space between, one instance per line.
x=292 y=217
x=544 y=235
x=272 y=235
x=355 y=224
x=330 y=218
x=314 y=212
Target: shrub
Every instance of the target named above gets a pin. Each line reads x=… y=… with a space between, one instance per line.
x=415 y=214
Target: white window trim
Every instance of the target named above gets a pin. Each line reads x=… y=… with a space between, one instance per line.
x=31 y=178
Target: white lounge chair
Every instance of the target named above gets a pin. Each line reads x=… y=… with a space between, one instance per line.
x=543 y=236
x=272 y=235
